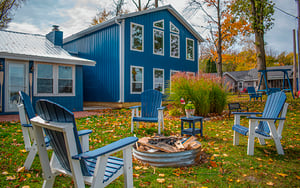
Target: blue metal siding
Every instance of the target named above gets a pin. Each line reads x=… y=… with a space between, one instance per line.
x=101 y=83
x=73 y=103
x=148 y=60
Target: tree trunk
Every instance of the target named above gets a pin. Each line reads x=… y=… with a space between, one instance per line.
x=219 y=44
x=156 y=3
x=260 y=56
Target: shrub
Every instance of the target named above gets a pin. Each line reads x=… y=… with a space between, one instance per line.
x=203 y=90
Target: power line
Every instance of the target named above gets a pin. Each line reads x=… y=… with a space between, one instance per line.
x=285 y=12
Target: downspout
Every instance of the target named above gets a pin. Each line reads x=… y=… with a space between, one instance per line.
x=121 y=59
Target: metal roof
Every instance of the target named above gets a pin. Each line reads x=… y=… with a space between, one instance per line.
x=34 y=47
x=124 y=16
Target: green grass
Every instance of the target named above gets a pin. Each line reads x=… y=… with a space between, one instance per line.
x=226 y=166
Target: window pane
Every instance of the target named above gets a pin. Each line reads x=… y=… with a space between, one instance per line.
x=159 y=80
x=174 y=45
x=45 y=71
x=137 y=37
x=159 y=24
x=65 y=86
x=158 y=42
x=65 y=82
x=137 y=74
x=45 y=78
x=136 y=87
x=44 y=85
x=173 y=28
x=190 y=49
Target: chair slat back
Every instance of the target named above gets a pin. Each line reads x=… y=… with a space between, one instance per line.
x=273 y=107
x=25 y=99
x=251 y=90
x=150 y=101
x=50 y=111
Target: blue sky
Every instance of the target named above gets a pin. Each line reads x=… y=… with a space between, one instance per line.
x=37 y=16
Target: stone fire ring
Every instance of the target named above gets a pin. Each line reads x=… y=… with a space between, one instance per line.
x=163 y=159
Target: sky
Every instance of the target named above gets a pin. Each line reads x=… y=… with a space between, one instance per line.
x=36 y=16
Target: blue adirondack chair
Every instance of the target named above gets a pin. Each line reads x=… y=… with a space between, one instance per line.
x=263 y=127
x=96 y=168
x=26 y=112
x=151 y=109
x=253 y=94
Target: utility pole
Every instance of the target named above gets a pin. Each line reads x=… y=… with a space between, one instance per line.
x=295 y=63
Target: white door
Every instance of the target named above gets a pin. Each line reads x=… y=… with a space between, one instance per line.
x=16 y=79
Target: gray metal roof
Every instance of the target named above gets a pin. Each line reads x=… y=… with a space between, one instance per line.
x=251 y=75
x=24 y=46
x=124 y=16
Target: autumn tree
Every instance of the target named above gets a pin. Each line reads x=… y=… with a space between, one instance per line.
x=259 y=13
x=223 y=26
x=101 y=17
x=6 y=8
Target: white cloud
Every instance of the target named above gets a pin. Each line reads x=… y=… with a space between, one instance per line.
x=25 y=28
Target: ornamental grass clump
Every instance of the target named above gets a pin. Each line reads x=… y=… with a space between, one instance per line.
x=203 y=90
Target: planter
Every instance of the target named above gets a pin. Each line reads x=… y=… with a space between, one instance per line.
x=189 y=112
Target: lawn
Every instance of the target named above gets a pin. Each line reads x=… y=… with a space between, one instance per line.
x=226 y=165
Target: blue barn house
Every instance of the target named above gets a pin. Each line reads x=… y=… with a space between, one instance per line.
x=135 y=52
x=39 y=66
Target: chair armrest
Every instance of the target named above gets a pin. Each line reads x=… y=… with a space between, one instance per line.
x=134 y=107
x=84 y=132
x=262 y=118
x=26 y=125
x=115 y=146
x=161 y=108
x=246 y=113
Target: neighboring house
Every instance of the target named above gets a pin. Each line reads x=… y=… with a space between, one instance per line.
x=238 y=80
x=39 y=66
x=135 y=52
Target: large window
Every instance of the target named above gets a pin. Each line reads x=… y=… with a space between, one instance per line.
x=158 y=42
x=174 y=45
x=136 y=79
x=54 y=80
x=158 y=80
x=137 y=37
x=190 y=49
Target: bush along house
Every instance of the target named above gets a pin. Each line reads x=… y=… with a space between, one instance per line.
x=39 y=66
x=135 y=52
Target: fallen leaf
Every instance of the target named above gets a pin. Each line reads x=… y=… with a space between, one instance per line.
x=21 y=169
x=137 y=167
x=10 y=178
x=270 y=183
x=160 y=180
x=298 y=177
x=259 y=159
x=23 y=151
x=4 y=173
x=213 y=164
x=135 y=175
x=281 y=174
x=238 y=180
x=161 y=175
x=28 y=175
x=26 y=186
x=225 y=155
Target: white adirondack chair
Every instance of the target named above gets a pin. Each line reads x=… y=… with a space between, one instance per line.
x=263 y=127
x=26 y=112
x=96 y=168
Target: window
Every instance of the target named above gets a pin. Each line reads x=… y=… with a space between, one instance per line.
x=65 y=81
x=174 y=45
x=158 y=42
x=137 y=37
x=173 y=28
x=44 y=78
x=53 y=80
x=136 y=79
x=190 y=49
x=159 y=24
x=158 y=80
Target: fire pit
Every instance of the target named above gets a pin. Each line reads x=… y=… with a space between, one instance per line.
x=168 y=151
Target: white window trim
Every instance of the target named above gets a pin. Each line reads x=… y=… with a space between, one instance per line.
x=186 y=45
x=178 y=46
x=154 y=69
x=163 y=21
x=175 y=27
x=55 y=80
x=132 y=23
x=163 y=42
x=131 y=81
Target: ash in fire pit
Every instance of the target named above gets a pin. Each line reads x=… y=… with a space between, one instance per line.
x=168 y=151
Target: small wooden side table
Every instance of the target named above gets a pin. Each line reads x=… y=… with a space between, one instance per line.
x=192 y=121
